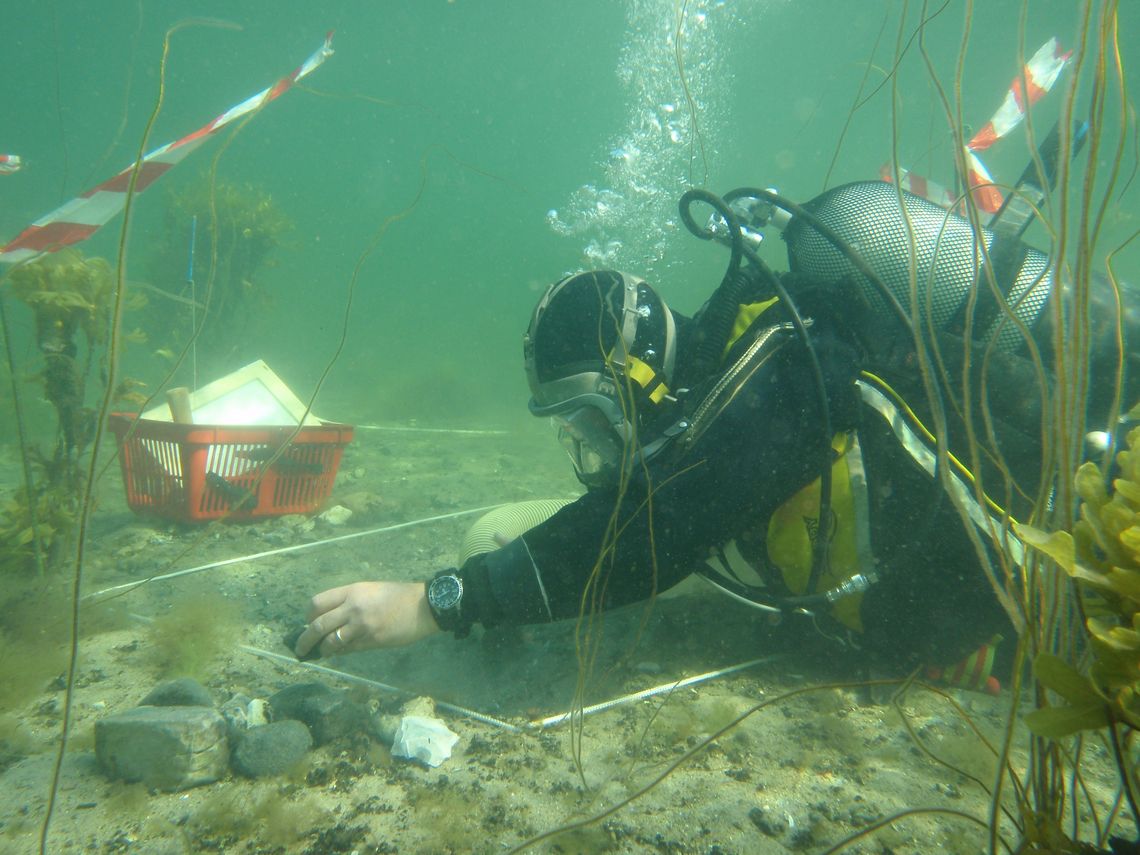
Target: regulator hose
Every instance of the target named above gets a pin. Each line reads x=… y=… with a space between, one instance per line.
x=714 y=325
x=830 y=235
x=723 y=307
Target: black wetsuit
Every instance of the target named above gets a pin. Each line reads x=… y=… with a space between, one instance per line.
x=762 y=448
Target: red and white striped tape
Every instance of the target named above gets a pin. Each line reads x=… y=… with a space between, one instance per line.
x=986 y=195
x=10 y=163
x=914 y=183
x=1041 y=72
x=80 y=218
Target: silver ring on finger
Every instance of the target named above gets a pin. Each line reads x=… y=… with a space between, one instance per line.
x=340 y=638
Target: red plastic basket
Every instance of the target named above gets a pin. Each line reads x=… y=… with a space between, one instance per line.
x=194 y=473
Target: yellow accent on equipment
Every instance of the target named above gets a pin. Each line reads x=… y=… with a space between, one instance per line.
x=792 y=530
x=644 y=376
x=747 y=313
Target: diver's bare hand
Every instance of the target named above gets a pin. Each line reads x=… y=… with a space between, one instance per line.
x=367 y=614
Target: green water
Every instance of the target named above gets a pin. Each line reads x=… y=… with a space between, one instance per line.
x=514 y=141
x=513 y=107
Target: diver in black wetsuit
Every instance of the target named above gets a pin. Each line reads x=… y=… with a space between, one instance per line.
x=715 y=471
x=777 y=442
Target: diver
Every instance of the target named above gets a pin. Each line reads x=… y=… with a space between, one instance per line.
x=775 y=443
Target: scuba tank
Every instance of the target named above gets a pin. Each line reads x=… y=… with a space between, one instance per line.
x=949 y=267
x=950 y=271
x=948 y=261
x=859 y=240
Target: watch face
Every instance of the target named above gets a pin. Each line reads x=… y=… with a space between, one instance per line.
x=444 y=592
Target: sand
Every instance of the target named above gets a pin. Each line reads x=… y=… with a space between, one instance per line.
x=810 y=768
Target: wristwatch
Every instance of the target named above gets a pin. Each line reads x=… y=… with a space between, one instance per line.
x=445 y=599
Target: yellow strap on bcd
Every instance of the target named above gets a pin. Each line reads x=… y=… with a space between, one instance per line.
x=747 y=313
x=792 y=530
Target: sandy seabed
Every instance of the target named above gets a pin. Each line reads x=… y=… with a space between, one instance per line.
x=802 y=774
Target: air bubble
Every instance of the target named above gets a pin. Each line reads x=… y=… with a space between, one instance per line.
x=629 y=222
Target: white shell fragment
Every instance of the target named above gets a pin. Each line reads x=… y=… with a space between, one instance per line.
x=257 y=713
x=425 y=739
x=336 y=515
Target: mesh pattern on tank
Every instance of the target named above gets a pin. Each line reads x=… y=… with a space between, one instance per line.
x=868 y=217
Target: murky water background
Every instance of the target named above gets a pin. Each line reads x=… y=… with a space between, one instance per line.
x=475 y=151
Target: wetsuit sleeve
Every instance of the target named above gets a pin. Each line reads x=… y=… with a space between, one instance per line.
x=606 y=550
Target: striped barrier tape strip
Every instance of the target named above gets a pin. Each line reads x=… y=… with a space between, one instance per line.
x=80 y=218
x=1041 y=72
x=914 y=183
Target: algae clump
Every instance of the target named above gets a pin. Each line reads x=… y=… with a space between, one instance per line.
x=1102 y=556
x=238 y=228
x=265 y=812
x=189 y=638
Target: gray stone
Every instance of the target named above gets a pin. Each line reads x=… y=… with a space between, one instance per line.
x=170 y=748
x=183 y=692
x=384 y=727
x=272 y=748
x=768 y=821
x=329 y=713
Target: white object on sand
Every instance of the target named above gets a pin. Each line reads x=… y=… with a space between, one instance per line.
x=428 y=740
x=336 y=515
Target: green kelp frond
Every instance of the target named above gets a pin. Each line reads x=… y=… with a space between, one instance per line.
x=20 y=524
x=68 y=289
x=1102 y=557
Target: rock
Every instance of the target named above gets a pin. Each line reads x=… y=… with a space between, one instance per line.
x=10 y=753
x=422 y=706
x=336 y=515
x=170 y=748
x=276 y=537
x=768 y=821
x=183 y=692
x=363 y=504
x=384 y=727
x=329 y=713
x=272 y=749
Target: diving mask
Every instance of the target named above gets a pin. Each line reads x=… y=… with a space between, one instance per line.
x=592 y=443
x=598 y=355
x=591 y=426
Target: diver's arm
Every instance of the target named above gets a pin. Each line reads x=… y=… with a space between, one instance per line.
x=765 y=446
x=760 y=451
